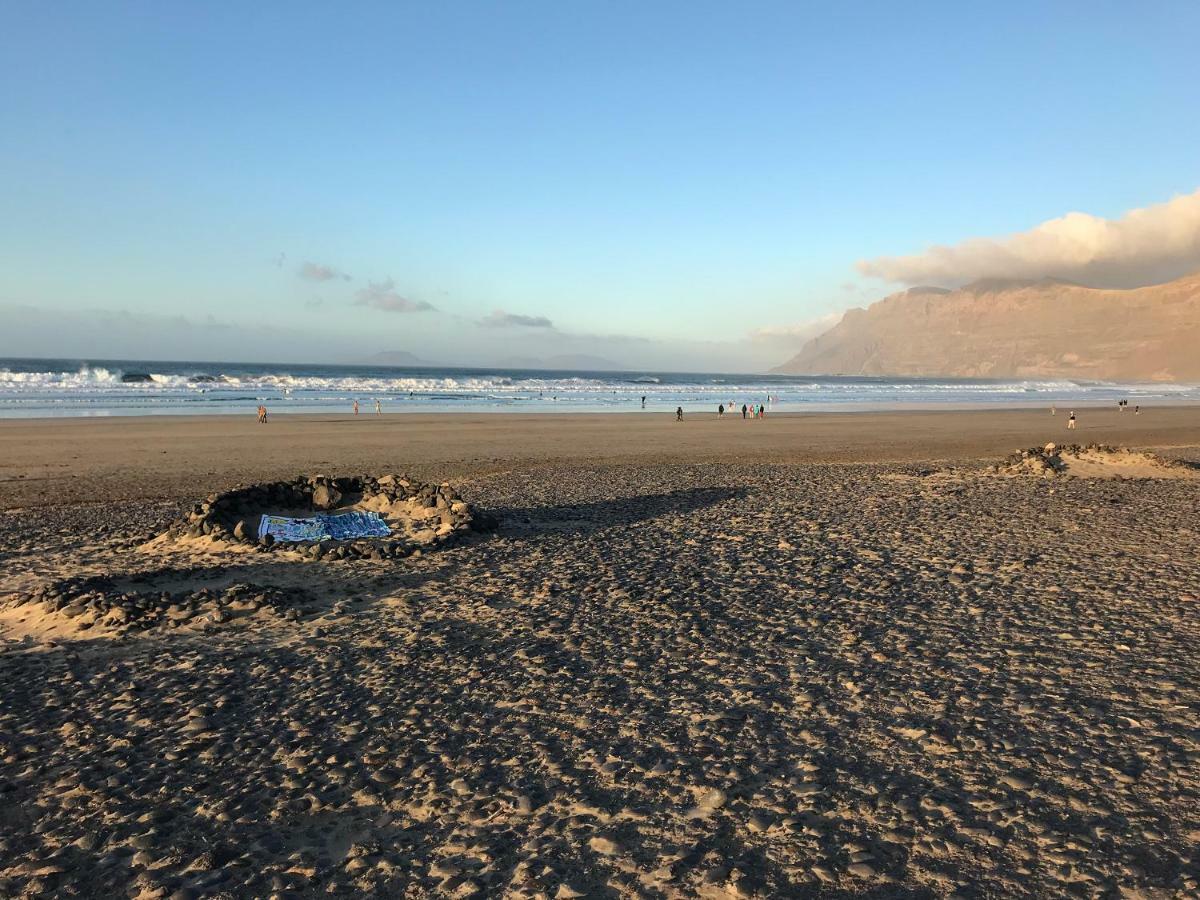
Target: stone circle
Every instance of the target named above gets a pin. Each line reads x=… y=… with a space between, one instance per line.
x=422 y=516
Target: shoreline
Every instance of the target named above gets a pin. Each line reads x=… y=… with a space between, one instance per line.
x=658 y=407
x=48 y=462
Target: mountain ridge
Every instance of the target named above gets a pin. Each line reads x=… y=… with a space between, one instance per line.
x=994 y=328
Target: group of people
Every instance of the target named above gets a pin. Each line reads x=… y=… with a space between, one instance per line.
x=752 y=411
x=378 y=407
x=1122 y=405
x=749 y=411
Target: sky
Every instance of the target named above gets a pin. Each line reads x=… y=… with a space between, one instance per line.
x=697 y=186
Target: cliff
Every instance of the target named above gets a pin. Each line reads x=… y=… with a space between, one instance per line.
x=1001 y=329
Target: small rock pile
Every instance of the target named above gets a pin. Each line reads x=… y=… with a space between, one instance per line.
x=233 y=516
x=1046 y=461
x=1054 y=459
x=96 y=601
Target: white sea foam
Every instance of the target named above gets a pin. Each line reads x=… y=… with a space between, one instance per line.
x=170 y=387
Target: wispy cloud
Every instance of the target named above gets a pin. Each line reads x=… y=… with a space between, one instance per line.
x=383 y=295
x=1144 y=246
x=311 y=271
x=498 y=318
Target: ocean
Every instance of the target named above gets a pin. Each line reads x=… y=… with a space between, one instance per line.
x=65 y=387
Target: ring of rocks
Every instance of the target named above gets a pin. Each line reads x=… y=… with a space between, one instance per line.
x=432 y=515
x=1052 y=459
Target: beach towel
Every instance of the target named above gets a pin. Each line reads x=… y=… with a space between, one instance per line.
x=324 y=527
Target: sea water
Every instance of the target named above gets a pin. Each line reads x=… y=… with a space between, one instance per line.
x=61 y=387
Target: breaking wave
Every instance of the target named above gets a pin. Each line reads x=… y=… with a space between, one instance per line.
x=51 y=387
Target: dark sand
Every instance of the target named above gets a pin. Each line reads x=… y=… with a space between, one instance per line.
x=812 y=656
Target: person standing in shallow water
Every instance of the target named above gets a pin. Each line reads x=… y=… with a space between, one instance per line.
x=356 y=407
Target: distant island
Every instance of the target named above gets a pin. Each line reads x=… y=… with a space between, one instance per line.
x=396 y=358
x=1017 y=329
x=573 y=361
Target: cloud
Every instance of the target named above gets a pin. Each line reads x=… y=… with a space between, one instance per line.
x=382 y=295
x=501 y=319
x=1144 y=246
x=311 y=271
x=796 y=333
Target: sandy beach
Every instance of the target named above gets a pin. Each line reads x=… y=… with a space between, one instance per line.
x=835 y=655
x=56 y=461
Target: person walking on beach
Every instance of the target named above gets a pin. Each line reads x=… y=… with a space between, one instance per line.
x=1137 y=410
x=744 y=410
x=1071 y=421
x=378 y=407
x=356 y=407
x=679 y=414
x=1054 y=410
x=262 y=413
x=721 y=411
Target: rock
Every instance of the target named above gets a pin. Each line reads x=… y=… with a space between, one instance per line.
x=325 y=497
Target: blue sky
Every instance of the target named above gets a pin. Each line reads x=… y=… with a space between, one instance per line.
x=658 y=180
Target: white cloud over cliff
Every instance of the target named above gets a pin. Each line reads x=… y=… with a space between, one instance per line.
x=1144 y=246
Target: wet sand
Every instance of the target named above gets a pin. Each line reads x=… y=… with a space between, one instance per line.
x=52 y=461
x=810 y=656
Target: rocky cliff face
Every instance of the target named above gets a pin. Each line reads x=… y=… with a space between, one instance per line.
x=1000 y=329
